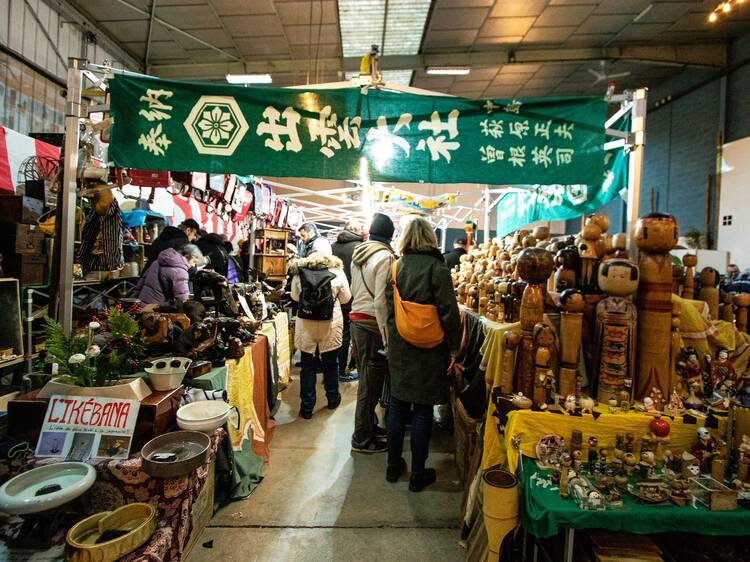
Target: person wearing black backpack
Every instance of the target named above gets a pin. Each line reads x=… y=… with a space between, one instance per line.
x=319 y=286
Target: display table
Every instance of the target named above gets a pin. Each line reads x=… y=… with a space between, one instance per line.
x=184 y=504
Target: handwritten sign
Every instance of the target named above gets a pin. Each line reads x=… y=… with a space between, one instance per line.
x=83 y=427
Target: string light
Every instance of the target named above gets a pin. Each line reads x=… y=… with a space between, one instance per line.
x=723 y=8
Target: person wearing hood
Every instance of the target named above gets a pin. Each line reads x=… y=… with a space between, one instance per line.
x=212 y=247
x=347 y=240
x=173 y=237
x=453 y=258
x=371 y=262
x=312 y=241
x=168 y=278
x=319 y=324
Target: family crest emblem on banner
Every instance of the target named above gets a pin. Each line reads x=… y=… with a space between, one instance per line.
x=216 y=125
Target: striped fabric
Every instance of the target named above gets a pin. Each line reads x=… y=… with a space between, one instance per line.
x=101 y=244
x=14 y=149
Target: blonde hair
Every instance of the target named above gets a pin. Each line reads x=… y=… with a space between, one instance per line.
x=417 y=235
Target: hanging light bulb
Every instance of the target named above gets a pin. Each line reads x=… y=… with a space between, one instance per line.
x=726 y=7
x=712 y=17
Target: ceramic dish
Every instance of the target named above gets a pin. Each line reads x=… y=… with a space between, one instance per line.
x=167 y=373
x=204 y=415
x=110 y=535
x=46 y=487
x=175 y=454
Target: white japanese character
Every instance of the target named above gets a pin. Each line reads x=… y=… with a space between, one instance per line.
x=489 y=105
x=156 y=107
x=513 y=107
x=492 y=128
x=381 y=132
x=155 y=141
x=577 y=194
x=437 y=143
x=519 y=128
x=565 y=130
x=541 y=156
x=517 y=156
x=325 y=128
x=542 y=129
x=349 y=131
x=272 y=127
x=490 y=154
x=564 y=155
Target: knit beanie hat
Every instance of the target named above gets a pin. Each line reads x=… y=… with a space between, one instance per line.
x=382 y=226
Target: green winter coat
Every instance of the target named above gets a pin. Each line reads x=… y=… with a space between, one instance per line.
x=420 y=375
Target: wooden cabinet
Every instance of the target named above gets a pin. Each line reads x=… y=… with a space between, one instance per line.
x=270 y=254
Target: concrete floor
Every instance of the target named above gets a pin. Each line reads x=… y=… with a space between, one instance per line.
x=320 y=502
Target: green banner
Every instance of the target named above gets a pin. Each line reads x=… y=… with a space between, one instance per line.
x=562 y=202
x=349 y=134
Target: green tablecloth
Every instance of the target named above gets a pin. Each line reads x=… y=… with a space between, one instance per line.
x=544 y=512
x=215 y=379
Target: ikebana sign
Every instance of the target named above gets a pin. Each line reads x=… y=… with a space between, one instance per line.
x=349 y=133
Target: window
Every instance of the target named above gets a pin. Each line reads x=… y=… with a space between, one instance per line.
x=726 y=220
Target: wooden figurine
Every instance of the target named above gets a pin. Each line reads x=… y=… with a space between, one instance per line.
x=726 y=306
x=709 y=292
x=534 y=266
x=545 y=384
x=705 y=448
x=620 y=245
x=587 y=249
x=678 y=277
x=571 y=327
x=741 y=301
x=688 y=287
x=675 y=347
x=616 y=319
x=568 y=263
x=512 y=339
x=655 y=235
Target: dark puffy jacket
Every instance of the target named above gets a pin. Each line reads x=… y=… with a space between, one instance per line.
x=343 y=248
x=167 y=279
x=170 y=237
x=453 y=258
x=212 y=247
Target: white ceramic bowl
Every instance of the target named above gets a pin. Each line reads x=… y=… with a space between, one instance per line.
x=169 y=375
x=204 y=415
x=67 y=481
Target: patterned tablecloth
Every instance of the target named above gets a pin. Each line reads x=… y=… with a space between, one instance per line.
x=121 y=482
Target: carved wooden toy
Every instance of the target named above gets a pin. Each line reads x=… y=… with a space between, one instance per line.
x=709 y=293
x=571 y=327
x=568 y=263
x=545 y=383
x=534 y=266
x=726 y=308
x=688 y=288
x=587 y=249
x=678 y=277
x=655 y=235
x=616 y=328
x=620 y=245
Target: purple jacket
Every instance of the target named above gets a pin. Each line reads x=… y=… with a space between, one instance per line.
x=170 y=274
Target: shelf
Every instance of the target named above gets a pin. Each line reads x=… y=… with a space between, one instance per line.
x=84 y=282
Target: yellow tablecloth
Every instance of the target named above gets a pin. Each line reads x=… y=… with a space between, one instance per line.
x=277 y=332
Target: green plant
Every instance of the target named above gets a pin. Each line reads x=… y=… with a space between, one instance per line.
x=694 y=238
x=73 y=354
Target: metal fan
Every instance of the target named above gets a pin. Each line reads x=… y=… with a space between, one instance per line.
x=36 y=168
x=602 y=76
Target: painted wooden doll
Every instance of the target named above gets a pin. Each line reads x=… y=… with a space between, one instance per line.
x=688 y=288
x=568 y=263
x=571 y=327
x=709 y=293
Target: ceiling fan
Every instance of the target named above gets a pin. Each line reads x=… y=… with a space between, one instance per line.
x=602 y=76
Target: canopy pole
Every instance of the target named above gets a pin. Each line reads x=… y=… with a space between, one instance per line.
x=487 y=211
x=68 y=190
x=635 y=165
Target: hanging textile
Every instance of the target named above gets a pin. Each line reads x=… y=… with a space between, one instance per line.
x=101 y=245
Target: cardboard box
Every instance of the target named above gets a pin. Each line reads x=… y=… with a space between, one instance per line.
x=29 y=239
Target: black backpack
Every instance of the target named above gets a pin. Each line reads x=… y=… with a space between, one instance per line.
x=316 y=299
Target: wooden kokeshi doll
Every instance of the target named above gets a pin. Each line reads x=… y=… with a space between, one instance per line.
x=726 y=308
x=568 y=264
x=511 y=341
x=741 y=301
x=615 y=328
x=587 y=249
x=709 y=293
x=688 y=287
x=655 y=235
x=534 y=266
x=620 y=245
x=678 y=276
x=541 y=233
x=545 y=381
x=571 y=328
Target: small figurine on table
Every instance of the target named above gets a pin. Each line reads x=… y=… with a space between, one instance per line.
x=570 y=404
x=704 y=448
x=723 y=375
x=648 y=405
x=675 y=405
x=745 y=449
x=690 y=369
x=592 y=455
x=577 y=460
x=657 y=397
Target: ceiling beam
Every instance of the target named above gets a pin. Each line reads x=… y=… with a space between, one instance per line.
x=72 y=14
x=712 y=55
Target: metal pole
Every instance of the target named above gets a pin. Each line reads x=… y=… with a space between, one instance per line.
x=67 y=196
x=148 y=35
x=251 y=247
x=29 y=301
x=487 y=213
x=635 y=164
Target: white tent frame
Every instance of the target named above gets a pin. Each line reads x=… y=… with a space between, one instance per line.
x=633 y=102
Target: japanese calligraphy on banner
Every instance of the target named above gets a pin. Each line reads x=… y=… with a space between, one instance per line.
x=562 y=202
x=216 y=128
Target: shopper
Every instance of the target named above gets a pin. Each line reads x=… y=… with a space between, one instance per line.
x=371 y=262
x=212 y=247
x=347 y=240
x=319 y=286
x=419 y=377
x=312 y=241
x=173 y=237
x=168 y=278
x=453 y=258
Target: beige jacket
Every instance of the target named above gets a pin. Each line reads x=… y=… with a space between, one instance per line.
x=371 y=269
x=324 y=335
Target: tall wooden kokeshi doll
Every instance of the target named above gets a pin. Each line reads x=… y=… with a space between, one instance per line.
x=688 y=288
x=512 y=339
x=678 y=277
x=571 y=328
x=587 y=249
x=568 y=264
x=726 y=308
x=709 y=293
x=741 y=301
x=545 y=381
x=655 y=235
x=534 y=266
x=615 y=328
x=620 y=245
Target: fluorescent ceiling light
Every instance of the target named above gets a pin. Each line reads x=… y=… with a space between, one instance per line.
x=448 y=71
x=249 y=78
x=395 y=25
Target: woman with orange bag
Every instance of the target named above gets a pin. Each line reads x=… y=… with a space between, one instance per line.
x=424 y=333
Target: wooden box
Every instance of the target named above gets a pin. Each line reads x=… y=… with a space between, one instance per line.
x=157 y=415
x=25 y=417
x=18 y=208
x=713 y=494
x=28 y=269
x=29 y=239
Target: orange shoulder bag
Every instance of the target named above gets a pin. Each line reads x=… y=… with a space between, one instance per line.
x=419 y=324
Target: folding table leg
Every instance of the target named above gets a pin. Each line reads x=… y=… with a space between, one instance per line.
x=569 y=540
